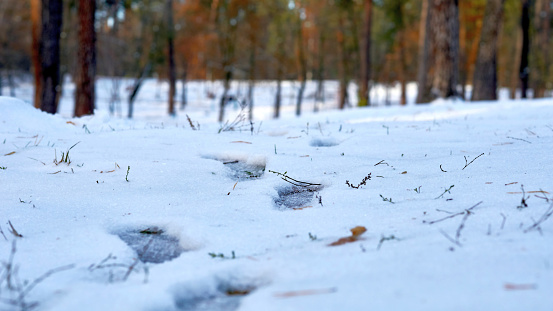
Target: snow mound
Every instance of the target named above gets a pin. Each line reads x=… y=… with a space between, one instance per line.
x=19 y=116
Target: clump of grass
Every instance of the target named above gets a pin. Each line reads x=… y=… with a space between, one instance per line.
x=64 y=156
x=238 y=124
x=312 y=237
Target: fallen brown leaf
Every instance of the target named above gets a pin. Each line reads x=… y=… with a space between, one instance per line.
x=300 y=208
x=355 y=234
x=240 y=142
x=305 y=292
x=512 y=286
x=7 y=154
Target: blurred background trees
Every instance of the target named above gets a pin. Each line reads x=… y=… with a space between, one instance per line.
x=449 y=47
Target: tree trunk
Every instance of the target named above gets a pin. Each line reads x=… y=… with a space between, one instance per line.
x=364 y=89
x=343 y=64
x=11 y=83
x=445 y=26
x=171 y=57
x=183 y=85
x=226 y=88
x=301 y=63
x=136 y=87
x=485 y=72
x=35 y=28
x=542 y=21
x=524 y=71
x=278 y=96
x=51 y=19
x=403 y=67
x=251 y=78
x=319 y=92
x=86 y=58
x=514 y=79
x=424 y=75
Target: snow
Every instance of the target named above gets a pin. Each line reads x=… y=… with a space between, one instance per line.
x=242 y=250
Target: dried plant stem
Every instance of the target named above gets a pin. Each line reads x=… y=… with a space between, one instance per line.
x=455 y=215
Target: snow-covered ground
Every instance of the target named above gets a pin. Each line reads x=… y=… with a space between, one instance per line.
x=150 y=214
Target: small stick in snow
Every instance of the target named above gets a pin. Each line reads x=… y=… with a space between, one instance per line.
x=2 y=232
x=454 y=215
x=362 y=183
x=382 y=162
x=468 y=163
x=524 y=140
x=544 y=217
x=523 y=203
x=461 y=226
x=446 y=191
x=449 y=238
x=13 y=231
x=504 y=220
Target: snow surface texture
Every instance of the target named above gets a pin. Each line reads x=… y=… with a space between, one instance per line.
x=238 y=243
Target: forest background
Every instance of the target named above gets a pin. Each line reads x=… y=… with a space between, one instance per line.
x=446 y=46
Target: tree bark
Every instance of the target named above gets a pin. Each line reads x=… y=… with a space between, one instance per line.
x=524 y=71
x=51 y=19
x=35 y=28
x=364 y=89
x=485 y=71
x=424 y=75
x=445 y=26
x=171 y=57
x=86 y=58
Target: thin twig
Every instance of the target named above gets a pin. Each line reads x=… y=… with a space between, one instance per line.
x=461 y=226
x=504 y=220
x=543 y=218
x=455 y=215
x=295 y=181
x=2 y=232
x=43 y=277
x=524 y=140
x=450 y=238
x=446 y=191
x=467 y=164
x=382 y=162
x=13 y=231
